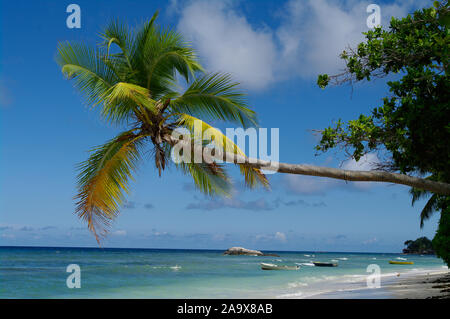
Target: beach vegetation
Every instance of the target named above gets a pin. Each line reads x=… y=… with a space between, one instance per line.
x=411 y=127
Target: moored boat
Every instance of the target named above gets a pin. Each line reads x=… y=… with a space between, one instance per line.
x=265 y=266
x=322 y=264
x=394 y=262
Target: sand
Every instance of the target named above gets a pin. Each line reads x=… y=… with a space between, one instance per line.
x=431 y=284
x=426 y=286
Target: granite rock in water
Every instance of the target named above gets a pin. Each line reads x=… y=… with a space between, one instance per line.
x=245 y=251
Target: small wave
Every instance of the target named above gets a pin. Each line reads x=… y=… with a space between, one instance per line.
x=400 y=258
x=176 y=267
x=307 y=255
x=334 y=260
x=297 y=284
x=305 y=264
x=296 y=294
x=343 y=258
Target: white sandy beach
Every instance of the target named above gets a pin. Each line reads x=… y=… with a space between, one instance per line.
x=432 y=284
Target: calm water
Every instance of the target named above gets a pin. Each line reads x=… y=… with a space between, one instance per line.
x=160 y=273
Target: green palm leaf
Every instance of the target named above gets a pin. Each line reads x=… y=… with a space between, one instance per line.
x=165 y=54
x=119 y=34
x=215 y=96
x=103 y=180
x=432 y=204
x=211 y=179
x=86 y=67
x=124 y=100
x=253 y=176
x=430 y=207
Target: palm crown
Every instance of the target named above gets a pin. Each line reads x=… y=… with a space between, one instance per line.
x=132 y=76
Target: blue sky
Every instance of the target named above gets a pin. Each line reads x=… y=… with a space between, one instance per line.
x=276 y=49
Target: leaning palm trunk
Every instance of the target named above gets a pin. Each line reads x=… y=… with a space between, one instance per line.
x=312 y=170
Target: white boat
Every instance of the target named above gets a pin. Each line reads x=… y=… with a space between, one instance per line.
x=265 y=266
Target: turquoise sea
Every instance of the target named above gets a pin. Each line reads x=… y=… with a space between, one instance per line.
x=35 y=272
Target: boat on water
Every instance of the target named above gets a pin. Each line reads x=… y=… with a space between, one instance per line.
x=265 y=266
x=394 y=262
x=322 y=264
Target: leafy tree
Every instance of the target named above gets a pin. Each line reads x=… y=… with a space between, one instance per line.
x=413 y=123
x=441 y=241
x=420 y=245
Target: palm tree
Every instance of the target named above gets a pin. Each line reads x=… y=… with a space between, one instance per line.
x=432 y=204
x=132 y=77
x=136 y=85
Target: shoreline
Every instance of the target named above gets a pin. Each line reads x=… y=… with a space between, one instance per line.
x=428 y=286
x=173 y=274
x=425 y=284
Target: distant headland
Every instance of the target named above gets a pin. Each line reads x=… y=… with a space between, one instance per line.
x=422 y=246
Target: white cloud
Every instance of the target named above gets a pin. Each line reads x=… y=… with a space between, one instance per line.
x=220 y=203
x=307 y=41
x=228 y=43
x=308 y=185
x=314 y=32
x=370 y=241
x=366 y=163
x=8 y=236
x=280 y=236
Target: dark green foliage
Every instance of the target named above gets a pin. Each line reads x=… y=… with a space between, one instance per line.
x=412 y=125
x=441 y=241
x=421 y=245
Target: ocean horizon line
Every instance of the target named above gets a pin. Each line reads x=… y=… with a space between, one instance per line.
x=195 y=249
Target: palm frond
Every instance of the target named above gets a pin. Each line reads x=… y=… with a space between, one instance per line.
x=211 y=179
x=103 y=180
x=167 y=52
x=85 y=65
x=253 y=176
x=220 y=139
x=432 y=204
x=123 y=99
x=430 y=207
x=215 y=96
x=141 y=36
x=119 y=34
x=163 y=54
x=417 y=194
